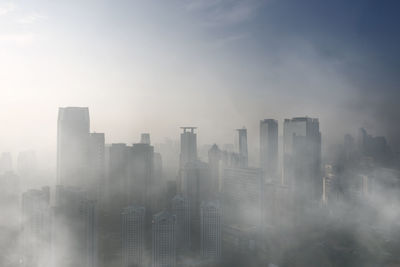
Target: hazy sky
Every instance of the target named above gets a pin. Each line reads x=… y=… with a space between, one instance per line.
x=155 y=65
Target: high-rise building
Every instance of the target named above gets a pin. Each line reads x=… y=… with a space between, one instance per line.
x=117 y=176
x=269 y=148
x=5 y=163
x=72 y=146
x=196 y=187
x=181 y=209
x=36 y=227
x=74 y=233
x=133 y=220
x=145 y=138
x=211 y=230
x=141 y=184
x=96 y=179
x=243 y=150
x=27 y=168
x=302 y=157
x=164 y=240
x=188 y=146
x=243 y=196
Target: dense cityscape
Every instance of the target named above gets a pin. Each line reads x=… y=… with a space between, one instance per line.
x=129 y=205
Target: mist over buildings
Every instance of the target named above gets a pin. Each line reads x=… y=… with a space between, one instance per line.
x=199 y=133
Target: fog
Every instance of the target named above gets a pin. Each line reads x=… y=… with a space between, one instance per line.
x=81 y=81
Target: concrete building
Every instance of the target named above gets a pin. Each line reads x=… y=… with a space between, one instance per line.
x=36 y=226
x=133 y=234
x=96 y=182
x=181 y=209
x=188 y=146
x=72 y=146
x=243 y=197
x=302 y=157
x=211 y=230
x=242 y=145
x=74 y=229
x=164 y=240
x=269 y=148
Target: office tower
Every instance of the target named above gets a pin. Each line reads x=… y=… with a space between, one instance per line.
x=375 y=147
x=302 y=157
x=5 y=163
x=133 y=220
x=96 y=178
x=72 y=146
x=117 y=176
x=243 y=196
x=215 y=163
x=181 y=209
x=36 y=227
x=145 y=138
x=196 y=187
x=211 y=230
x=141 y=184
x=269 y=148
x=164 y=242
x=188 y=146
x=242 y=143
x=74 y=235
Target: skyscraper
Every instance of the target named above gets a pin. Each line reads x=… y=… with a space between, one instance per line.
x=96 y=179
x=196 y=186
x=302 y=157
x=243 y=151
x=36 y=227
x=164 y=240
x=181 y=209
x=145 y=138
x=188 y=146
x=243 y=197
x=269 y=148
x=133 y=219
x=72 y=145
x=211 y=230
x=74 y=235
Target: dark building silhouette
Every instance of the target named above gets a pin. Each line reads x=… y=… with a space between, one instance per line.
x=188 y=146
x=269 y=148
x=96 y=178
x=72 y=146
x=181 y=209
x=145 y=138
x=242 y=144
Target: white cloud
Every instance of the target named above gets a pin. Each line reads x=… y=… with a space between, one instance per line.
x=6 y=8
x=30 y=19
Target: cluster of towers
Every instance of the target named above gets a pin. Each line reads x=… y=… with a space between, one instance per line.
x=113 y=206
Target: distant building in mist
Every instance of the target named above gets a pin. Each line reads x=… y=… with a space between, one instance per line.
x=145 y=138
x=36 y=227
x=74 y=233
x=373 y=146
x=181 y=209
x=117 y=175
x=211 y=230
x=269 y=148
x=243 y=196
x=6 y=163
x=188 y=146
x=72 y=145
x=196 y=187
x=164 y=240
x=243 y=149
x=133 y=235
x=96 y=181
x=27 y=168
x=302 y=157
